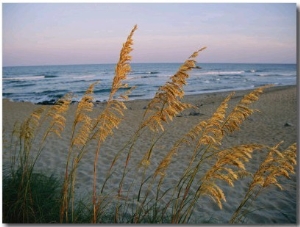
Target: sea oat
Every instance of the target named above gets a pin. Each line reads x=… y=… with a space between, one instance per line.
x=56 y=114
x=241 y=111
x=213 y=132
x=167 y=103
x=123 y=67
x=29 y=126
x=111 y=117
x=276 y=164
x=224 y=170
x=163 y=165
x=84 y=105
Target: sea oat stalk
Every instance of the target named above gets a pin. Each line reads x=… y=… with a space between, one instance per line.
x=78 y=140
x=276 y=164
x=110 y=118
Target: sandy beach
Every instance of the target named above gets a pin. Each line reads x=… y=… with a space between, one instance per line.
x=276 y=121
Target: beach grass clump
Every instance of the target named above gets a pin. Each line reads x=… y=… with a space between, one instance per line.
x=147 y=197
x=38 y=202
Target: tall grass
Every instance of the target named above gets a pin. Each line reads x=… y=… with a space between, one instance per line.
x=144 y=199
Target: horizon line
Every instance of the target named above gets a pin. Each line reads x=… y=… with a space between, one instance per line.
x=269 y=63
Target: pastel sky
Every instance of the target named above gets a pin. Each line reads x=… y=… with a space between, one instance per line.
x=93 y=33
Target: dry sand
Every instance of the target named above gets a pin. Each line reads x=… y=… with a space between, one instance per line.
x=276 y=121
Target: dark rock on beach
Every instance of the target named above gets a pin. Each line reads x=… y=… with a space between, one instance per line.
x=195 y=113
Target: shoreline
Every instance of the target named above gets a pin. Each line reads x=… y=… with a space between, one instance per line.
x=239 y=91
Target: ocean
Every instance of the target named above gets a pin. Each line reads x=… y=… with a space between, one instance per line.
x=46 y=84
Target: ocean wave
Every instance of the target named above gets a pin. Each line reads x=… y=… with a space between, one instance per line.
x=141 y=85
x=141 y=77
x=276 y=75
x=104 y=90
x=25 y=78
x=50 y=76
x=135 y=95
x=23 y=85
x=50 y=93
x=222 y=72
x=5 y=94
x=149 y=76
x=263 y=74
x=87 y=81
x=83 y=77
x=37 y=77
x=108 y=89
x=145 y=72
x=250 y=71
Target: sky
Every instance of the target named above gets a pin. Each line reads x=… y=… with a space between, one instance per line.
x=93 y=33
